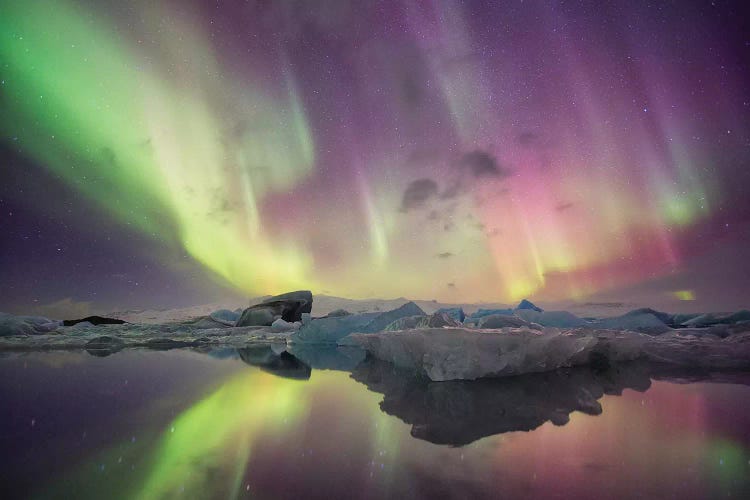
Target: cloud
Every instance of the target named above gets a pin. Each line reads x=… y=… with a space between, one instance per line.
x=561 y=207
x=451 y=285
x=418 y=193
x=444 y=255
x=483 y=164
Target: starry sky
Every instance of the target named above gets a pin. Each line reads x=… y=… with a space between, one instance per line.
x=171 y=153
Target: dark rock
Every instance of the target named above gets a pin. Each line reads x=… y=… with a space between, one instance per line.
x=287 y=306
x=299 y=295
x=94 y=320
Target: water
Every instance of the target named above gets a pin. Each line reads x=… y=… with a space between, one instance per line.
x=183 y=424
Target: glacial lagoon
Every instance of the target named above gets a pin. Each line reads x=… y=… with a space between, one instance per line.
x=322 y=423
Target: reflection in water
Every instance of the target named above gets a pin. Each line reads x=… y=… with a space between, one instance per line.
x=329 y=358
x=207 y=447
x=281 y=363
x=460 y=412
x=214 y=427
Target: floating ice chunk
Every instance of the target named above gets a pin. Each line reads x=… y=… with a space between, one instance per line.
x=480 y=313
x=459 y=353
x=225 y=316
x=384 y=319
x=456 y=313
x=705 y=320
x=495 y=321
x=82 y=325
x=437 y=320
x=25 y=325
x=331 y=329
x=526 y=304
x=282 y=326
x=645 y=322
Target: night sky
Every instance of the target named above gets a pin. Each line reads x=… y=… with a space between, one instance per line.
x=156 y=154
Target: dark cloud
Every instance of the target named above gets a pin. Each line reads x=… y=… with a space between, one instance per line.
x=418 y=193
x=483 y=164
x=451 y=285
x=561 y=207
x=445 y=255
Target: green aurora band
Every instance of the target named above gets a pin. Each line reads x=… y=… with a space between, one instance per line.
x=163 y=156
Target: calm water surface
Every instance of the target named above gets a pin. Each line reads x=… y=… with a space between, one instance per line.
x=252 y=424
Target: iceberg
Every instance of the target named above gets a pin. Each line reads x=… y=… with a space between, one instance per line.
x=461 y=353
x=437 y=320
x=460 y=412
x=526 y=304
x=480 y=313
x=225 y=316
x=466 y=354
x=558 y=319
x=332 y=329
x=456 y=313
x=639 y=321
x=495 y=321
x=11 y=325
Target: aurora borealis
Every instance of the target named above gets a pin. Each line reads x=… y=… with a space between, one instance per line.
x=457 y=151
